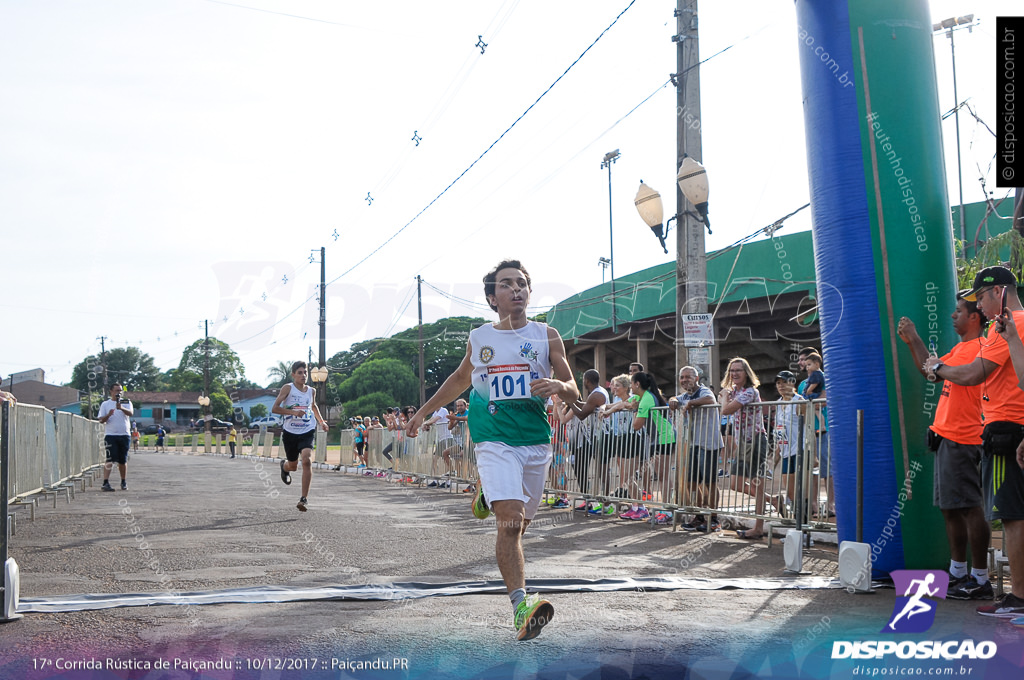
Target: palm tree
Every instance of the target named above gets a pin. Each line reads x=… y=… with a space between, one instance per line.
x=280 y=374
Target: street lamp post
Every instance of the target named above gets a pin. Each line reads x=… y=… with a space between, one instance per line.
x=609 y=159
x=319 y=377
x=691 y=288
x=204 y=403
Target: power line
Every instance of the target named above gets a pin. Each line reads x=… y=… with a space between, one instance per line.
x=485 y=152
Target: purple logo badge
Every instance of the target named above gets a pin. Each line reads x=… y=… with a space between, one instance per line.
x=913 y=613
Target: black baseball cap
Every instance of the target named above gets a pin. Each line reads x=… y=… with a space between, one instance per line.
x=988 y=277
x=785 y=375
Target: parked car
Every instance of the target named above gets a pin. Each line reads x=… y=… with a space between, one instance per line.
x=151 y=429
x=215 y=424
x=269 y=421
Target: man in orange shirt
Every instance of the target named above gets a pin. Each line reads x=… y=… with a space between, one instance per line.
x=955 y=437
x=995 y=291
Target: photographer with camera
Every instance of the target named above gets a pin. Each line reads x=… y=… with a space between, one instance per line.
x=116 y=414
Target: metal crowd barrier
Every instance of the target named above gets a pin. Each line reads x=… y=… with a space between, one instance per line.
x=763 y=462
x=50 y=452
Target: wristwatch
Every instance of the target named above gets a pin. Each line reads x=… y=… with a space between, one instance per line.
x=935 y=372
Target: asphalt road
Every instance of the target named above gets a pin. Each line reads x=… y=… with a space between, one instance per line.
x=205 y=523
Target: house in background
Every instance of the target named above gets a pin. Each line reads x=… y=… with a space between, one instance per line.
x=30 y=387
x=179 y=408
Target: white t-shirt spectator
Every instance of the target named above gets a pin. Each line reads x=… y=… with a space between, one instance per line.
x=441 y=416
x=119 y=422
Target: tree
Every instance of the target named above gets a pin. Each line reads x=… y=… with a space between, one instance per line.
x=444 y=346
x=220 y=405
x=225 y=367
x=371 y=404
x=1009 y=243
x=280 y=374
x=390 y=377
x=127 y=365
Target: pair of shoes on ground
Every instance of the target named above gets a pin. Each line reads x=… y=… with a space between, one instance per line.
x=530 y=616
x=106 y=486
x=443 y=484
x=637 y=512
x=560 y=503
x=336 y=468
x=602 y=509
x=699 y=524
x=660 y=517
x=469 y=489
x=301 y=505
x=750 y=534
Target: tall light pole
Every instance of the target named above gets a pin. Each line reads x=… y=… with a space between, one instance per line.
x=950 y=25
x=609 y=159
x=603 y=262
x=691 y=254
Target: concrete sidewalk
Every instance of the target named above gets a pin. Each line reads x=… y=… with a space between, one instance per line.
x=192 y=523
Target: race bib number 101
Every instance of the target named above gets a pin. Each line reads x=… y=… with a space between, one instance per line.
x=509 y=381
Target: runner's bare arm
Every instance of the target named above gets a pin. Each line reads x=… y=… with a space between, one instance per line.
x=277 y=408
x=316 y=411
x=563 y=383
x=457 y=383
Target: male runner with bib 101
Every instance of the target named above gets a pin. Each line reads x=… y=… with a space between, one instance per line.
x=509 y=365
x=297 y=403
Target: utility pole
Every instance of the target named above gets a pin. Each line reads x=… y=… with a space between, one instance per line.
x=103 y=362
x=419 y=305
x=691 y=254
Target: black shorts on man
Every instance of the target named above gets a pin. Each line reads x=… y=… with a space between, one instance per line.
x=117 y=446
x=294 y=444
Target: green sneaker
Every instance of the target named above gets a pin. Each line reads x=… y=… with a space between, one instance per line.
x=531 y=615
x=610 y=509
x=480 y=509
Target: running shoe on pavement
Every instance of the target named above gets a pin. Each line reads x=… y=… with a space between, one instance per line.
x=285 y=476
x=970 y=589
x=531 y=615
x=561 y=503
x=595 y=509
x=302 y=504
x=1010 y=607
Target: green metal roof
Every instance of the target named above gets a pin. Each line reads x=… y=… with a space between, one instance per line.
x=781 y=264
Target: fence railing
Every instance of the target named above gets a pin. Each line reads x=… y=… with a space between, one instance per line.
x=47 y=449
x=767 y=461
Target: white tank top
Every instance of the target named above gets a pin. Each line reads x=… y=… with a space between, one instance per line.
x=299 y=401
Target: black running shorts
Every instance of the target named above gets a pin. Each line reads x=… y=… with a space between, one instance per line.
x=294 y=444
